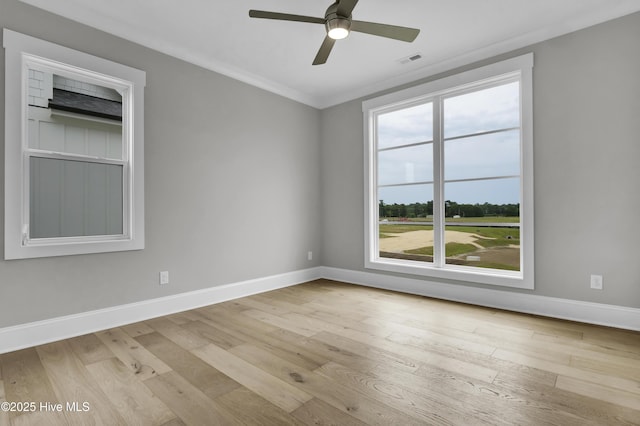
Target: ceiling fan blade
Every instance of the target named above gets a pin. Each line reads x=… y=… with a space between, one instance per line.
x=324 y=51
x=345 y=7
x=285 y=17
x=384 y=30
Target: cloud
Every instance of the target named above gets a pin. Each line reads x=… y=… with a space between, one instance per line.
x=484 y=157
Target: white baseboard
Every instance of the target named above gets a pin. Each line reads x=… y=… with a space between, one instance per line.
x=46 y=331
x=587 y=312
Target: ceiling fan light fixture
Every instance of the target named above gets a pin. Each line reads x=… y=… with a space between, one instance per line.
x=338 y=28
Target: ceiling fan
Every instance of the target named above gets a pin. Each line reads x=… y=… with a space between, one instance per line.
x=338 y=23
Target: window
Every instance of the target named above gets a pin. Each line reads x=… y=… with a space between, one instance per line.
x=74 y=158
x=449 y=185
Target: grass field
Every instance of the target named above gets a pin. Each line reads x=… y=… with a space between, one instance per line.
x=490 y=247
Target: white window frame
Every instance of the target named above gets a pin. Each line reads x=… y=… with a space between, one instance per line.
x=21 y=53
x=520 y=67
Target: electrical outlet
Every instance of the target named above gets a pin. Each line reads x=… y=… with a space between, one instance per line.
x=596 y=282
x=310 y=255
x=164 y=277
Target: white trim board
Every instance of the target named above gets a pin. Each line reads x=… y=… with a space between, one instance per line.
x=51 y=330
x=574 y=310
x=40 y=332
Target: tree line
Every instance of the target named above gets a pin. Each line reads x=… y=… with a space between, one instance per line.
x=451 y=209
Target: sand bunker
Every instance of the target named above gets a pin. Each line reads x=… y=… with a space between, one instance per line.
x=399 y=242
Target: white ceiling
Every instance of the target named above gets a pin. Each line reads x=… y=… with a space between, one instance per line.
x=277 y=55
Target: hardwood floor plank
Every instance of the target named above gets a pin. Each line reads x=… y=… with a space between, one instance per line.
x=467 y=340
x=272 y=389
x=229 y=308
x=569 y=335
x=488 y=402
x=137 y=329
x=177 y=334
x=438 y=342
x=589 y=349
x=439 y=320
x=251 y=409
x=243 y=329
x=332 y=313
x=571 y=372
x=175 y=422
x=389 y=305
x=541 y=325
x=425 y=357
x=356 y=404
x=357 y=354
x=281 y=322
x=315 y=288
x=142 y=362
x=90 y=349
x=320 y=321
x=412 y=353
x=537 y=390
x=600 y=392
x=529 y=346
x=254 y=303
x=284 y=304
x=203 y=376
x=182 y=318
x=289 y=350
x=25 y=379
x=421 y=407
x=187 y=402
x=611 y=366
x=501 y=332
x=212 y=334
x=296 y=296
x=319 y=413
x=374 y=338
x=134 y=402
x=482 y=400
x=607 y=339
x=599 y=348
x=235 y=323
x=40 y=418
x=72 y=383
x=271 y=341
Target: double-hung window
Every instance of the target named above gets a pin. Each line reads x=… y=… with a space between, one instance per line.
x=74 y=157
x=449 y=177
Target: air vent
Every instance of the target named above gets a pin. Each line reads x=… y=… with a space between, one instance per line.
x=410 y=58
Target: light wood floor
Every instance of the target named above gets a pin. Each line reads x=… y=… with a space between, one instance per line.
x=329 y=353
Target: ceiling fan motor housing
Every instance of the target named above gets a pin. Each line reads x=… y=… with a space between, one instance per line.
x=337 y=26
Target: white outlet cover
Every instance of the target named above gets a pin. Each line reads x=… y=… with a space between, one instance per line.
x=596 y=282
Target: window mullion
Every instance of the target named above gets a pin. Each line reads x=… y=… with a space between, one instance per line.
x=438 y=186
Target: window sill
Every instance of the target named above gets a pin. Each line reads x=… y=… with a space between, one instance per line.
x=72 y=246
x=471 y=275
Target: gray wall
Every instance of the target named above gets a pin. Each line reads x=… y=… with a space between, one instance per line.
x=586 y=162
x=232 y=186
